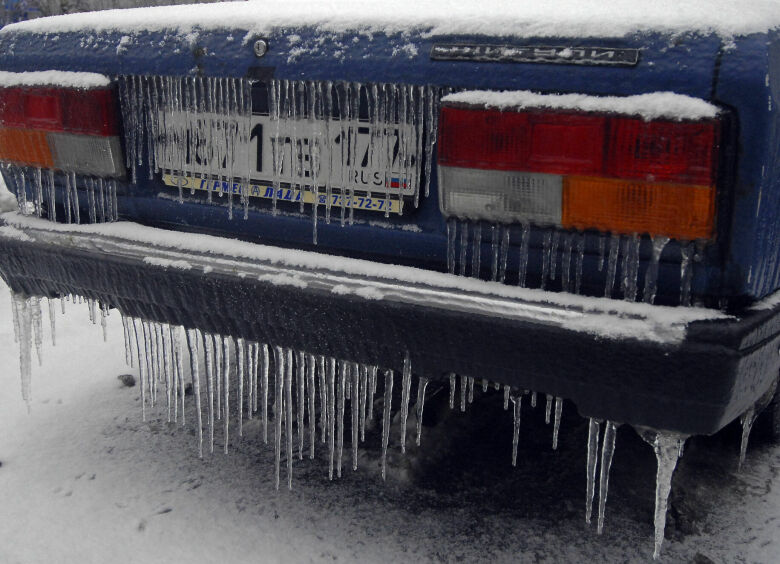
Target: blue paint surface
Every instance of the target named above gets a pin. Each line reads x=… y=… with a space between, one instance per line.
x=743 y=77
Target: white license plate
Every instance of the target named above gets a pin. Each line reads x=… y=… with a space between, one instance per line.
x=349 y=155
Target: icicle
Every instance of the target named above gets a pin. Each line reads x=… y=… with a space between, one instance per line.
x=594 y=428
x=340 y=400
x=218 y=360
x=226 y=391
x=453 y=385
x=464 y=239
x=104 y=322
x=177 y=347
x=34 y=305
x=524 y=252
x=288 y=378
x=208 y=349
x=406 y=383
x=507 y=390
x=556 y=236
x=386 y=419
x=495 y=231
x=557 y=421
x=311 y=365
x=667 y=448
x=372 y=377
x=566 y=263
x=470 y=381
x=168 y=368
x=422 y=383
x=476 y=253
x=485 y=384
x=363 y=400
x=651 y=276
x=463 y=390
x=23 y=334
x=607 y=450
x=323 y=398
x=504 y=252
x=254 y=357
x=631 y=268
x=241 y=375
x=546 y=256
x=602 y=250
x=746 y=420
x=128 y=347
x=141 y=375
x=191 y=340
x=533 y=399
x=38 y=193
x=264 y=383
x=580 y=258
x=452 y=234
x=355 y=405
x=331 y=396
x=279 y=359
x=614 y=250
x=686 y=272
x=517 y=400
x=52 y=211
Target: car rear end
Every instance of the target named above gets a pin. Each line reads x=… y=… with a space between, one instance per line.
x=587 y=214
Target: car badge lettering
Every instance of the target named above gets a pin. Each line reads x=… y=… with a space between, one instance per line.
x=535 y=54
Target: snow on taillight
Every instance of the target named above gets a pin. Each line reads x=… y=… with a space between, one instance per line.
x=579 y=162
x=70 y=127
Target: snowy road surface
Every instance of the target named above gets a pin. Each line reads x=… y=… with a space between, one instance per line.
x=83 y=479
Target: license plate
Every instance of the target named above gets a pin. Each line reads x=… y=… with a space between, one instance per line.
x=265 y=191
x=346 y=156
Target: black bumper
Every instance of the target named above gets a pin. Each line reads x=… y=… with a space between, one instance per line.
x=692 y=380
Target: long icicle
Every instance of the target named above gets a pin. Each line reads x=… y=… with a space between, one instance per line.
x=594 y=428
x=405 y=393
x=288 y=378
x=386 y=419
x=355 y=405
x=607 y=450
x=278 y=411
x=422 y=383
x=191 y=339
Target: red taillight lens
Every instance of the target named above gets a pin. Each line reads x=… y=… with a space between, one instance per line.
x=593 y=165
x=662 y=151
x=43 y=109
x=62 y=128
x=12 y=112
x=533 y=142
x=92 y=112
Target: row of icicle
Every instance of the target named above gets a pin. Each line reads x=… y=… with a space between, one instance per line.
x=465 y=258
x=201 y=127
x=297 y=393
x=44 y=185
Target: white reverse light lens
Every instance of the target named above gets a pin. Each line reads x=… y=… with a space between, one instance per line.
x=498 y=195
x=87 y=154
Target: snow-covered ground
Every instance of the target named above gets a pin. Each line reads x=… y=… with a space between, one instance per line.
x=84 y=479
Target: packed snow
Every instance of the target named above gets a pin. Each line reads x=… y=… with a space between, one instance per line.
x=509 y=18
x=64 y=79
x=655 y=105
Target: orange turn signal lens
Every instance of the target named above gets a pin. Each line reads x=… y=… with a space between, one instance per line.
x=25 y=147
x=624 y=206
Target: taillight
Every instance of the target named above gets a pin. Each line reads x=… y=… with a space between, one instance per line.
x=71 y=129
x=581 y=170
